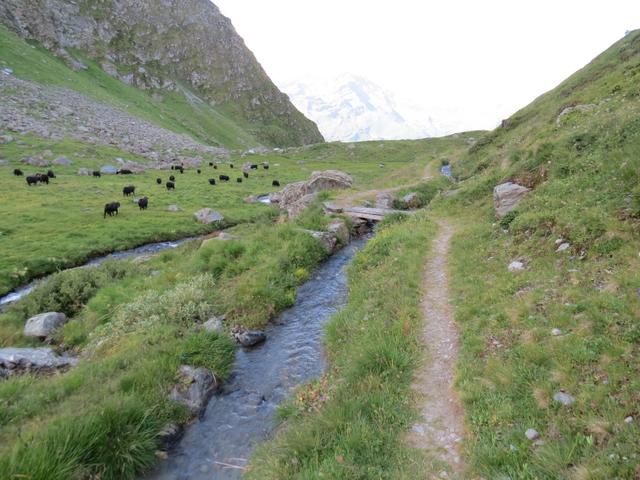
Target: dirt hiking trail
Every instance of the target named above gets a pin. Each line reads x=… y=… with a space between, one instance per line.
x=441 y=428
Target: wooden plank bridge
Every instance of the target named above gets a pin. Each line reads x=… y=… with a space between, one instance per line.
x=364 y=213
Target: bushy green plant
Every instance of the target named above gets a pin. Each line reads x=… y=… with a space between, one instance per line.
x=69 y=291
x=183 y=305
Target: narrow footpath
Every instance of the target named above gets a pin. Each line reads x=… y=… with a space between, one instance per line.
x=441 y=428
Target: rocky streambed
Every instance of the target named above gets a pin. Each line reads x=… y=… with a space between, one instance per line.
x=242 y=414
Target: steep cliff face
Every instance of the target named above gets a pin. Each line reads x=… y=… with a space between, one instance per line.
x=167 y=45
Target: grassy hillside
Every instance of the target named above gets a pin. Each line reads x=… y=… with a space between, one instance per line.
x=584 y=168
x=180 y=111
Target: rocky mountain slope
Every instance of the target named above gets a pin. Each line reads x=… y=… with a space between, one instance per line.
x=351 y=108
x=165 y=47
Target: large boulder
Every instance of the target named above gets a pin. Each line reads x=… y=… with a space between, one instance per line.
x=507 y=196
x=45 y=324
x=13 y=360
x=84 y=171
x=296 y=196
x=208 y=216
x=194 y=387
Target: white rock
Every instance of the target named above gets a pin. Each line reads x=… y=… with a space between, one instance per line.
x=174 y=208
x=556 y=332
x=563 y=247
x=532 y=434
x=629 y=419
x=564 y=398
x=208 y=216
x=516 y=266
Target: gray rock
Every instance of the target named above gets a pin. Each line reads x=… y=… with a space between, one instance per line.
x=328 y=240
x=556 y=332
x=45 y=324
x=384 y=200
x=507 y=196
x=338 y=228
x=84 y=171
x=35 y=162
x=563 y=247
x=628 y=420
x=516 y=266
x=62 y=160
x=208 y=216
x=250 y=338
x=214 y=324
x=194 y=387
x=411 y=200
x=5 y=139
x=173 y=208
x=564 y=398
x=108 y=170
x=532 y=434
x=33 y=359
x=4 y=163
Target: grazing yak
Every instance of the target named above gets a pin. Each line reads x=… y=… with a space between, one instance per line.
x=143 y=203
x=215 y=167
x=275 y=183
x=254 y=166
x=32 y=179
x=231 y=165
x=246 y=175
x=50 y=174
x=17 y=172
x=172 y=178
x=43 y=178
x=265 y=166
x=211 y=164
x=212 y=181
x=224 y=178
x=171 y=186
x=124 y=171
x=180 y=169
x=199 y=172
x=96 y=173
x=111 y=209
x=128 y=190
x=239 y=179
x=159 y=181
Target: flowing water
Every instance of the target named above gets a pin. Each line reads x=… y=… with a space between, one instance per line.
x=218 y=445
x=148 y=249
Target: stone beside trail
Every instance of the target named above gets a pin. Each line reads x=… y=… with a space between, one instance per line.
x=441 y=429
x=507 y=196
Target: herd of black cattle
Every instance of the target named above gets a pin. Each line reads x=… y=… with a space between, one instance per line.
x=112 y=207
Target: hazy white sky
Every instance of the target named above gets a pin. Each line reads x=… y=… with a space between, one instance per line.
x=481 y=59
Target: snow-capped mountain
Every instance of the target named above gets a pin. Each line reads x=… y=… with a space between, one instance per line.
x=351 y=108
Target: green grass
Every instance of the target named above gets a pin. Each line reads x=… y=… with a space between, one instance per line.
x=351 y=423
x=46 y=228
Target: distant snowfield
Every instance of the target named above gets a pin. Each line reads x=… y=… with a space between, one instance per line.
x=351 y=108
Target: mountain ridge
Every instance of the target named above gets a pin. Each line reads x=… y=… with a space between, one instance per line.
x=158 y=47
